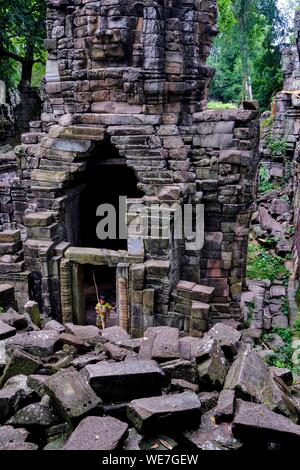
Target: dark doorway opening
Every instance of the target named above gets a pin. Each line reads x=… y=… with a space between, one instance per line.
x=107 y=177
x=105 y=278
x=35 y=288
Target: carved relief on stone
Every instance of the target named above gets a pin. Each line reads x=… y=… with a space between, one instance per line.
x=112 y=30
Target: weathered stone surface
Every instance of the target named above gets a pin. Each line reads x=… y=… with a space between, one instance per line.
x=75 y=341
x=180 y=385
x=115 y=334
x=98 y=433
x=133 y=440
x=10 y=236
x=14 y=319
x=72 y=395
x=284 y=374
x=36 y=416
x=33 y=310
x=10 y=435
x=6 y=331
x=176 y=412
x=37 y=383
x=37 y=343
x=20 y=363
x=247 y=374
x=13 y=446
x=160 y=344
x=250 y=377
x=225 y=408
x=208 y=400
x=82 y=332
x=212 y=436
x=254 y=422
x=54 y=325
x=124 y=381
x=14 y=396
x=116 y=353
x=180 y=369
x=188 y=347
x=84 y=360
x=227 y=337
x=211 y=362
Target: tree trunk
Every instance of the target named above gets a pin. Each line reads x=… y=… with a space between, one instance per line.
x=27 y=66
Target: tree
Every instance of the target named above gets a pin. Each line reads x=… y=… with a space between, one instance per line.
x=22 y=31
x=243 y=16
x=247 y=53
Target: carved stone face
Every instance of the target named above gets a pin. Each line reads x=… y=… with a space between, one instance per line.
x=112 y=29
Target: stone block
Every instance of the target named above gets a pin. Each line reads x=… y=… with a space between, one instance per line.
x=123 y=381
x=6 y=331
x=37 y=343
x=20 y=363
x=177 y=412
x=98 y=433
x=160 y=344
x=72 y=395
x=255 y=423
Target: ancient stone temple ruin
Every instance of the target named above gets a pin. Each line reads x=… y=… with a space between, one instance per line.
x=287 y=125
x=125 y=109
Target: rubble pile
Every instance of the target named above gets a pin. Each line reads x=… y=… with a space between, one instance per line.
x=73 y=387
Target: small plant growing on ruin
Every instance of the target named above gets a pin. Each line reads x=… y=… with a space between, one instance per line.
x=276 y=146
x=291 y=230
x=285 y=306
x=265 y=185
x=265 y=265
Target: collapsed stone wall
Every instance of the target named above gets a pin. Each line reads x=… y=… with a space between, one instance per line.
x=133 y=74
x=287 y=122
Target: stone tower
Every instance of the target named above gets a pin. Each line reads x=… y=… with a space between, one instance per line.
x=126 y=94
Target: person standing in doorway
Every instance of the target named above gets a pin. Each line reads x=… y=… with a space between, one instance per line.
x=103 y=309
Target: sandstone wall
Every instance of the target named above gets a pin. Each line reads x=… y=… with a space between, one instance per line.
x=134 y=75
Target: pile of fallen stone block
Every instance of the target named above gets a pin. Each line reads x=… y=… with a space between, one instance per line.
x=74 y=387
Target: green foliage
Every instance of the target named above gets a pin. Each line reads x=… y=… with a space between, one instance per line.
x=1 y=309
x=291 y=230
x=269 y=242
x=297 y=327
x=265 y=185
x=265 y=265
x=283 y=358
x=285 y=333
x=22 y=31
x=248 y=51
x=285 y=306
x=268 y=122
x=220 y=105
x=226 y=15
x=277 y=146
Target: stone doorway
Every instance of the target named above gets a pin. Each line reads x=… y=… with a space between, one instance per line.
x=105 y=278
x=106 y=178
x=77 y=285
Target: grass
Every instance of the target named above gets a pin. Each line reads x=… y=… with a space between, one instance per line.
x=264 y=265
x=220 y=105
x=284 y=358
x=265 y=184
x=277 y=146
x=285 y=306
